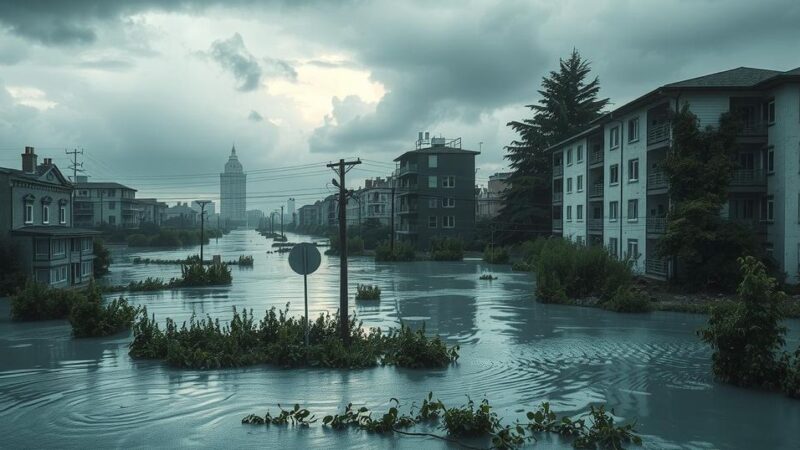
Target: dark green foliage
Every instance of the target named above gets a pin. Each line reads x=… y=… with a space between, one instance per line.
x=90 y=318
x=746 y=336
x=447 y=249
x=12 y=277
x=403 y=251
x=628 y=299
x=279 y=339
x=487 y=277
x=567 y=271
x=39 y=302
x=568 y=105
x=366 y=292
x=196 y=274
x=172 y=238
x=791 y=383
x=245 y=260
x=355 y=246
x=604 y=433
x=296 y=417
x=521 y=266
x=102 y=258
x=470 y=421
x=495 y=255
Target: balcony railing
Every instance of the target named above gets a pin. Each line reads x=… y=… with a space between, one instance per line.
x=656 y=266
x=657 y=225
x=595 y=156
x=749 y=177
x=596 y=190
x=595 y=224
x=558 y=224
x=558 y=196
x=657 y=179
x=558 y=171
x=754 y=129
x=657 y=133
x=404 y=170
x=408 y=209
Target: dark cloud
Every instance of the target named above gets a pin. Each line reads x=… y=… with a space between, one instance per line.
x=255 y=116
x=232 y=55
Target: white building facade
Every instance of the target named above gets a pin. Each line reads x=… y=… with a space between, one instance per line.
x=233 y=192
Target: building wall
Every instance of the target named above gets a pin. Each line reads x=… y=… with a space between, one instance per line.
x=20 y=190
x=574 y=228
x=233 y=196
x=114 y=206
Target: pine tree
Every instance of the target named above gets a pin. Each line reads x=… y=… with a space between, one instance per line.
x=568 y=104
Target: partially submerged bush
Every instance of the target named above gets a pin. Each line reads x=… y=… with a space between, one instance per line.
x=403 y=251
x=196 y=274
x=366 y=292
x=521 y=266
x=488 y=276
x=37 y=301
x=279 y=339
x=495 y=255
x=447 y=249
x=470 y=421
x=629 y=300
x=102 y=258
x=90 y=318
x=12 y=276
x=246 y=261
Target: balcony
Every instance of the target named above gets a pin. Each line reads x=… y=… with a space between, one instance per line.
x=558 y=197
x=657 y=133
x=595 y=225
x=406 y=170
x=596 y=190
x=657 y=179
x=596 y=157
x=758 y=128
x=656 y=266
x=749 y=177
x=657 y=225
x=558 y=171
x=408 y=209
x=558 y=224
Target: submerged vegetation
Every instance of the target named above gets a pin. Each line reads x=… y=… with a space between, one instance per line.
x=488 y=276
x=171 y=238
x=192 y=275
x=447 y=249
x=403 y=251
x=37 y=301
x=366 y=292
x=279 y=339
x=243 y=260
x=593 y=429
x=495 y=255
x=102 y=258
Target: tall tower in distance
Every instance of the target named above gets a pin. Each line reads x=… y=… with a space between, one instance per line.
x=233 y=192
x=289 y=211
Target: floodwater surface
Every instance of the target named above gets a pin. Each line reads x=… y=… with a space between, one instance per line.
x=60 y=392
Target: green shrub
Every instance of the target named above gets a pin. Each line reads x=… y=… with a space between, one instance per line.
x=626 y=299
x=12 y=276
x=487 y=276
x=413 y=349
x=102 y=258
x=355 y=246
x=37 y=301
x=245 y=261
x=746 y=336
x=196 y=274
x=366 y=292
x=470 y=421
x=138 y=240
x=791 y=383
x=521 y=266
x=494 y=255
x=403 y=251
x=447 y=249
x=89 y=318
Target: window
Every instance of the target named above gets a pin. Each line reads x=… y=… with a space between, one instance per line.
x=58 y=274
x=42 y=248
x=579 y=240
x=449 y=182
x=613 y=138
x=433 y=161
x=45 y=214
x=59 y=247
x=580 y=153
x=112 y=220
x=569 y=157
x=62 y=215
x=769 y=111
x=580 y=183
x=433 y=183
x=613 y=211
x=579 y=213
x=770 y=163
x=633 y=170
x=612 y=247
x=112 y=205
x=448 y=221
x=83 y=193
x=569 y=185
x=433 y=203
x=633 y=210
x=87 y=244
x=28 y=213
x=86 y=268
x=569 y=213
x=432 y=222
x=110 y=193
x=633 y=130
x=448 y=202
x=768 y=209
x=613 y=174
x=633 y=249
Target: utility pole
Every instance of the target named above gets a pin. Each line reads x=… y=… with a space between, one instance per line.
x=202 y=204
x=281 y=220
x=101 y=207
x=76 y=167
x=391 y=238
x=341 y=168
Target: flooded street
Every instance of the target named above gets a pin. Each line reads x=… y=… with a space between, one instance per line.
x=57 y=391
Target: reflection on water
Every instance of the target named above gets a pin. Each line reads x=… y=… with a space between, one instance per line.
x=59 y=392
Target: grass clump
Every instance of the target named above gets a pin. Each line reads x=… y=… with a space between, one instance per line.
x=279 y=340
x=488 y=277
x=403 y=251
x=447 y=249
x=494 y=255
x=366 y=292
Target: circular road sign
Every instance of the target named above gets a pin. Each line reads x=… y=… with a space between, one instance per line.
x=304 y=258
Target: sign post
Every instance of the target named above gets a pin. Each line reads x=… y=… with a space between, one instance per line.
x=304 y=259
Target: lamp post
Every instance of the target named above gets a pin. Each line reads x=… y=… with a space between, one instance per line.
x=202 y=204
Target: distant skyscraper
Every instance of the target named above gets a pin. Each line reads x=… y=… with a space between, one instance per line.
x=233 y=191
x=289 y=211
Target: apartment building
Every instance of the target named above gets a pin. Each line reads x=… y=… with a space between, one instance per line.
x=35 y=209
x=371 y=203
x=435 y=191
x=490 y=199
x=609 y=187
x=106 y=203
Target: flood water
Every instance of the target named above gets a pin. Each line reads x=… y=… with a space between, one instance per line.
x=56 y=391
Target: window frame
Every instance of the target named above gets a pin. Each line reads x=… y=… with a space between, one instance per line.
x=449 y=181
x=433 y=223
x=448 y=222
x=613 y=174
x=633 y=163
x=635 y=203
x=433 y=182
x=628 y=252
x=62 y=215
x=633 y=125
x=28 y=211
x=579 y=154
x=46 y=214
x=579 y=213
x=613 y=210
x=569 y=213
x=613 y=138
x=448 y=202
x=433 y=159
x=579 y=183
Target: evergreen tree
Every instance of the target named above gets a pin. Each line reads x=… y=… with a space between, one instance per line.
x=568 y=105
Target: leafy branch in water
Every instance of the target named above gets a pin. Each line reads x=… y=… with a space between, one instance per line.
x=592 y=430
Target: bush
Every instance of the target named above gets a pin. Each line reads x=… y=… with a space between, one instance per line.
x=196 y=274
x=102 y=258
x=447 y=249
x=746 y=336
x=494 y=255
x=246 y=261
x=403 y=251
x=355 y=246
x=791 y=384
x=366 y=292
x=627 y=299
x=279 y=339
x=469 y=421
x=138 y=240
x=487 y=276
x=12 y=277
x=521 y=266
x=39 y=302
x=89 y=318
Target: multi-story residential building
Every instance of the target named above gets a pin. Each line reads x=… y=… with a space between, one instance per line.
x=105 y=203
x=436 y=191
x=290 y=211
x=490 y=199
x=609 y=187
x=233 y=192
x=152 y=210
x=35 y=214
x=181 y=215
x=307 y=216
x=371 y=203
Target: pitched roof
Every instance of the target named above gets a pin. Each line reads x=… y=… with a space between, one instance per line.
x=102 y=185
x=734 y=78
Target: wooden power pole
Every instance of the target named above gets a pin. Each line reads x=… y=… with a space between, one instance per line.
x=202 y=204
x=341 y=168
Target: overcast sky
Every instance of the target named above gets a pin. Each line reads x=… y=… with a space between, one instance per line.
x=157 y=91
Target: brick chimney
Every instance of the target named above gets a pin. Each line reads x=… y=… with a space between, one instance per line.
x=48 y=162
x=29 y=160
